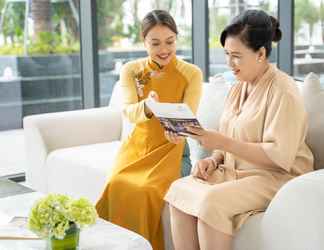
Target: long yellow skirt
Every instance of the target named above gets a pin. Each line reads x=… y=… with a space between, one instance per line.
x=145 y=167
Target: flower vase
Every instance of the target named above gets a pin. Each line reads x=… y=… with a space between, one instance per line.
x=69 y=242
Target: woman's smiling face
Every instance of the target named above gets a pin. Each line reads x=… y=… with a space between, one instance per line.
x=243 y=61
x=160 y=43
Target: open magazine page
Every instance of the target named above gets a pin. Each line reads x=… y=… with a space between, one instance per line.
x=174 y=117
x=15 y=228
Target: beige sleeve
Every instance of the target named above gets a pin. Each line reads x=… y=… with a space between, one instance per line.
x=133 y=109
x=284 y=129
x=193 y=91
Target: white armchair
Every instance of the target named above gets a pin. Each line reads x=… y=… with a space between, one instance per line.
x=66 y=136
x=72 y=152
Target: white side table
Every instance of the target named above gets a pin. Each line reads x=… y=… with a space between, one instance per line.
x=101 y=236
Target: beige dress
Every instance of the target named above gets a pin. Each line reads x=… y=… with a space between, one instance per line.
x=272 y=115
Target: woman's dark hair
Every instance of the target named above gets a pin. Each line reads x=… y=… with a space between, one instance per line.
x=158 y=17
x=255 y=29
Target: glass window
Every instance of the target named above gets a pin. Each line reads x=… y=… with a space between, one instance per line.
x=119 y=35
x=220 y=14
x=39 y=68
x=309 y=38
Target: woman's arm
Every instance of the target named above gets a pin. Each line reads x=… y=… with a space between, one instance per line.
x=250 y=152
x=134 y=109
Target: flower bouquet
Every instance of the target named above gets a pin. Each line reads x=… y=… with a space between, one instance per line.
x=59 y=218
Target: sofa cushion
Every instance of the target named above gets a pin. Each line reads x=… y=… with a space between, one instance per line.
x=209 y=111
x=115 y=101
x=89 y=165
x=250 y=231
x=314 y=102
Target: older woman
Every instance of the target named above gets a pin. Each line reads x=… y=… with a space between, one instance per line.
x=260 y=144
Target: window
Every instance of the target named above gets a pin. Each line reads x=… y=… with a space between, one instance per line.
x=39 y=69
x=309 y=38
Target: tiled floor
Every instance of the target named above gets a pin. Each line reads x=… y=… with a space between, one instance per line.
x=12 y=152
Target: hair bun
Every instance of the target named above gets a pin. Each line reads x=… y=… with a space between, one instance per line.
x=276 y=32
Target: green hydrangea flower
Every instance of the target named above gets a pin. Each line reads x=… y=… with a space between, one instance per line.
x=53 y=215
x=82 y=212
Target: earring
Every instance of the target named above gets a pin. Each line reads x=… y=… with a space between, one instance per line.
x=259 y=60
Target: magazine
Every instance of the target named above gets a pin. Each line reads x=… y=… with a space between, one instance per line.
x=15 y=228
x=174 y=117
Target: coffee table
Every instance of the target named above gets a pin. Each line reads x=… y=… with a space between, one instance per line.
x=10 y=188
x=101 y=236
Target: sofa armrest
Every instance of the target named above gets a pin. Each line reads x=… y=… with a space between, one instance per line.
x=47 y=132
x=294 y=218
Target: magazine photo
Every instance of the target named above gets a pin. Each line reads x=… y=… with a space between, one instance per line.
x=174 y=117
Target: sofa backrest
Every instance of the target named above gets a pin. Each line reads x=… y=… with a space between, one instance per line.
x=209 y=111
x=116 y=102
x=314 y=103
x=116 y=97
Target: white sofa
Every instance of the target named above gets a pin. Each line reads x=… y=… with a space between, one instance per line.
x=72 y=153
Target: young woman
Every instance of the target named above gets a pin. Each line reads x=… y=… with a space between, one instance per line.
x=147 y=162
x=260 y=144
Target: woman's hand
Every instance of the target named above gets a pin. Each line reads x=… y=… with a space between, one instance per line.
x=153 y=96
x=209 y=139
x=173 y=137
x=204 y=168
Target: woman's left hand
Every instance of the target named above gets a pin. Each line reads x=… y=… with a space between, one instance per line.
x=209 y=139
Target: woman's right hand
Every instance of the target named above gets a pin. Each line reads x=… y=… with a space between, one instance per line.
x=173 y=137
x=153 y=96
x=204 y=168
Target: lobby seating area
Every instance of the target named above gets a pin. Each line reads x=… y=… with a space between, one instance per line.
x=72 y=152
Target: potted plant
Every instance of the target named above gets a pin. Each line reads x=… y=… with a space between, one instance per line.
x=59 y=218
